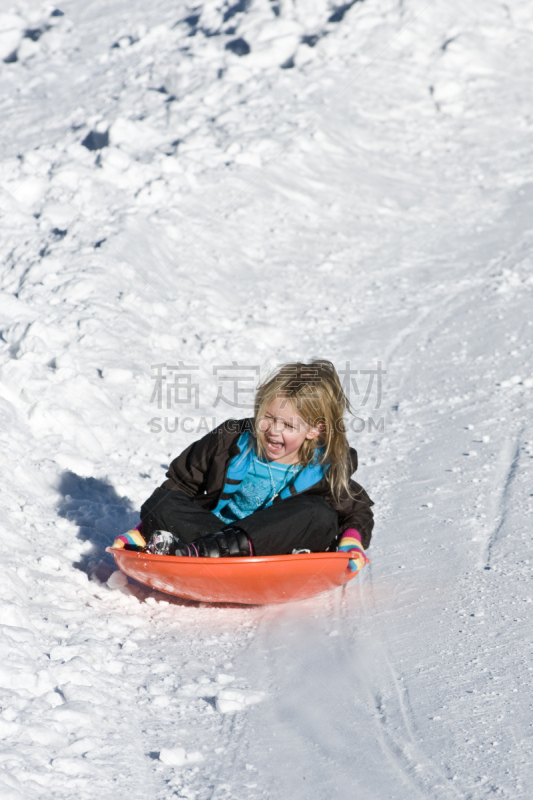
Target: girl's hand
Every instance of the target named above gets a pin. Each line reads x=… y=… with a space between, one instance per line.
x=350 y=543
x=132 y=540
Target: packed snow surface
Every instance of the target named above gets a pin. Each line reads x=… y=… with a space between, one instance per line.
x=190 y=195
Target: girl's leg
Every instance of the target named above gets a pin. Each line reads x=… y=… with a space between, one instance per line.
x=169 y=510
x=303 y=522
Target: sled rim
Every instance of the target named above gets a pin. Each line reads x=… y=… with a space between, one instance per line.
x=232 y=560
x=249 y=580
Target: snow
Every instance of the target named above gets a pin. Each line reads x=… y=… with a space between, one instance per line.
x=358 y=186
x=177 y=757
x=231 y=700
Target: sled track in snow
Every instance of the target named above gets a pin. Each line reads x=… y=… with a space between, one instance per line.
x=508 y=463
x=233 y=733
x=394 y=724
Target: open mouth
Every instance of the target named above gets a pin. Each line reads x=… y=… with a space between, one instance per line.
x=273 y=445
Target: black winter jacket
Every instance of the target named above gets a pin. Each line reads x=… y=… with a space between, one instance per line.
x=200 y=472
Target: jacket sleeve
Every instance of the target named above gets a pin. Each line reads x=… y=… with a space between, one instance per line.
x=188 y=472
x=355 y=512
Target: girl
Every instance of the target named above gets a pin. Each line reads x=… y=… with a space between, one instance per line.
x=274 y=484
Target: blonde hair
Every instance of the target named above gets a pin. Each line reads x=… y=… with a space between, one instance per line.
x=315 y=393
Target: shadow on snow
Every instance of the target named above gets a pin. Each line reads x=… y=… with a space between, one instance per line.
x=100 y=514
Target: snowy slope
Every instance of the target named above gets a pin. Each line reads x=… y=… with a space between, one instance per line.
x=358 y=186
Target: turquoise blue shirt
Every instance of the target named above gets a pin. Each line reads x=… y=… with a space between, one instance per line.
x=257 y=488
x=296 y=479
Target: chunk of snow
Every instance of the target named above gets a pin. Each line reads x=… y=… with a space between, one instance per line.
x=223 y=678
x=11 y=32
x=11 y=615
x=174 y=756
x=117 y=580
x=231 y=700
x=178 y=757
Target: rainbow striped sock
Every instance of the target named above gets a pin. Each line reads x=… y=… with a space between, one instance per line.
x=132 y=540
x=350 y=544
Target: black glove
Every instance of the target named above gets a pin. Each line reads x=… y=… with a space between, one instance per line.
x=227 y=543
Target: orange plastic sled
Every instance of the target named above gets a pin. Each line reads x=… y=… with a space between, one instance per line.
x=256 y=580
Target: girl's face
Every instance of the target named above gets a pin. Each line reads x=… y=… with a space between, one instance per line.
x=284 y=431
